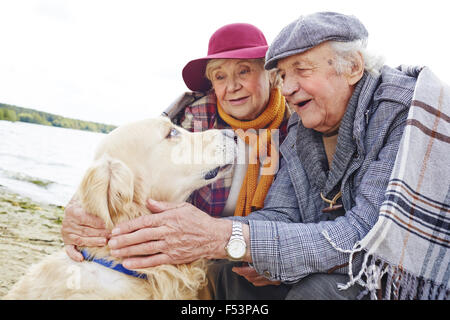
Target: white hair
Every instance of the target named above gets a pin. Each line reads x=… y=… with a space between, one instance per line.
x=345 y=51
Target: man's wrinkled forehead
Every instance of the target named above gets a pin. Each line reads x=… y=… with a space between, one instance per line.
x=301 y=60
x=310 y=58
x=294 y=62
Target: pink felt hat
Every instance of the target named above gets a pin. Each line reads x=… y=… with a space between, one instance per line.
x=233 y=41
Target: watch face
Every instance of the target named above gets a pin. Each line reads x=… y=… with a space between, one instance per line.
x=236 y=248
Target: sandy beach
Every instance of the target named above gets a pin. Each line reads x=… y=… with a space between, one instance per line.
x=28 y=232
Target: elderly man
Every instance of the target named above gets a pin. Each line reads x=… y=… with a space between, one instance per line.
x=336 y=163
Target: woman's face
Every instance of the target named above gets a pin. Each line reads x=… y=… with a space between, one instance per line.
x=242 y=87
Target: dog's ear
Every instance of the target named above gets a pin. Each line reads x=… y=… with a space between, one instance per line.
x=107 y=189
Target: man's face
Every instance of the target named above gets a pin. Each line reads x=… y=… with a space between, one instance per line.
x=313 y=88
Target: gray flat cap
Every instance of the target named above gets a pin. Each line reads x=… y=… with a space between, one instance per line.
x=311 y=30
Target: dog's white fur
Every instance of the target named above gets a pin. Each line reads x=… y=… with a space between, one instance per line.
x=146 y=159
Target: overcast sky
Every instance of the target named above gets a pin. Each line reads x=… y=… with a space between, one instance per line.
x=117 y=61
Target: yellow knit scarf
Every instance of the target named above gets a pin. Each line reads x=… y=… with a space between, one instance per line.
x=252 y=193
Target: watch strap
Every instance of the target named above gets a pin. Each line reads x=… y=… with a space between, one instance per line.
x=236 y=234
x=236 y=231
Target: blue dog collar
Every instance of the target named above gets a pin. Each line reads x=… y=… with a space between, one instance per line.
x=110 y=265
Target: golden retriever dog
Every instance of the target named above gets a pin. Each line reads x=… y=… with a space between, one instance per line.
x=147 y=159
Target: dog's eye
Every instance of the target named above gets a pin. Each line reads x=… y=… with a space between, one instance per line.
x=173 y=133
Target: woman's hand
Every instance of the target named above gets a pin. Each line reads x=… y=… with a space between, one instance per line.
x=255 y=278
x=174 y=234
x=80 y=228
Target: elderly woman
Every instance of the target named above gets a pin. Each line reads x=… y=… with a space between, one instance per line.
x=337 y=159
x=231 y=90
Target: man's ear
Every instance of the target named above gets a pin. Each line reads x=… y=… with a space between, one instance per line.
x=356 y=70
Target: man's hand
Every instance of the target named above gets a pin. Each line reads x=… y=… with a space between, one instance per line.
x=255 y=278
x=79 y=228
x=174 y=234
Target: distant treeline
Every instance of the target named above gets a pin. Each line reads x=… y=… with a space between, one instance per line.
x=14 y=113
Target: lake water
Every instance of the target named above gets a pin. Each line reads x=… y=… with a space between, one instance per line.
x=44 y=163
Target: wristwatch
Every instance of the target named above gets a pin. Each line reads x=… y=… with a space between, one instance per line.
x=236 y=247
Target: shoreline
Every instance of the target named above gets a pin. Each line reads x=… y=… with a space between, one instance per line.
x=29 y=231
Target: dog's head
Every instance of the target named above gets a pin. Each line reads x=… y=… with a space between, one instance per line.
x=152 y=159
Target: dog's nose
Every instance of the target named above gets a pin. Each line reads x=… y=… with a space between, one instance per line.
x=229 y=133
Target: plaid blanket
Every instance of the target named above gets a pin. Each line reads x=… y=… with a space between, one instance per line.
x=409 y=245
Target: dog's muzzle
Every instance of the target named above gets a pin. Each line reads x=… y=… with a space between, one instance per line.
x=226 y=153
x=214 y=172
